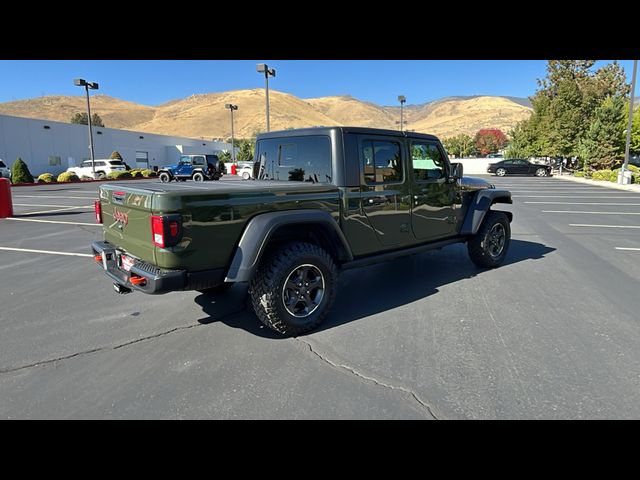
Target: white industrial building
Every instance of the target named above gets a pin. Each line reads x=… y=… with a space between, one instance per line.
x=47 y=146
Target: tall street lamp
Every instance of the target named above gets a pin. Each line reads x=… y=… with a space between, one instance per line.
x=232 y=107
x=268 y=72
x=80 y=82
x=401 y=99
x=625 y=165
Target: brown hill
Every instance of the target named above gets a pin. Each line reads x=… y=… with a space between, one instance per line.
x=204 y=115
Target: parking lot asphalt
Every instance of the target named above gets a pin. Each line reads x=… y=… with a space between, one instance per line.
x=553 y=333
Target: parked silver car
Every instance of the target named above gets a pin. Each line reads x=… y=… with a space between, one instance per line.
x=4 y=171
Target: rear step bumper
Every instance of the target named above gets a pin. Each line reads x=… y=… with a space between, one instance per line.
x=150 y=279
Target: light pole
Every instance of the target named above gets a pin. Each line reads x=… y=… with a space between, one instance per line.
x=268 y=72
x=630 y=124
x=80 y=82
x=402 y=99
x=232 y=107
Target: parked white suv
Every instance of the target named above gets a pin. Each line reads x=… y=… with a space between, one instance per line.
x=4 y=171
x=103 y=168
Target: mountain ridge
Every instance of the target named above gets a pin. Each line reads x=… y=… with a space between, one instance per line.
x=203 y=115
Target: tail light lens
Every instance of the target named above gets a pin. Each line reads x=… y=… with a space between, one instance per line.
x=98 y=208
x=166 y=230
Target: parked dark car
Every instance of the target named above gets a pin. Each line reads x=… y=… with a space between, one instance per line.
x=518 y=166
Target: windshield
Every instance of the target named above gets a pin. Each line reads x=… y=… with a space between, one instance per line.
x=2 y=165
x=295 y=159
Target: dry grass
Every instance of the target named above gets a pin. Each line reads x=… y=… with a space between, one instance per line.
x=204 y=115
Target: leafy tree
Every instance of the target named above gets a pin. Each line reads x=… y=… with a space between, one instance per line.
x=245 y=149
x=81 y=118
x=565 y=105
x=115 y=155
x=225 y=156
x=461 y=145
x=490 y=140
x=20 y=172
x=634 y=147
x=603 y=143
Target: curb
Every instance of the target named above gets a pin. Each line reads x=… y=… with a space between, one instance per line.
x=601 y=183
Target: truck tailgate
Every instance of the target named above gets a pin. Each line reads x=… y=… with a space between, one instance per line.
x=126 y=217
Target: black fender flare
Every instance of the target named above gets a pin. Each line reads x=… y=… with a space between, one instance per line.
x=165 y=170
x=479 y=207
x=259 y=230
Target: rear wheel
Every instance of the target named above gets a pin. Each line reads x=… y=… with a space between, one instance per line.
x=100 y=175
x=488 y=248
x=246 y=176
x=541 y=172
x=294 y=288
x=501 y=172
x=164 y=177
x=198 y=177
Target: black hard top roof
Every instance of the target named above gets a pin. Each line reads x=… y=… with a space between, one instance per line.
x=358 y=130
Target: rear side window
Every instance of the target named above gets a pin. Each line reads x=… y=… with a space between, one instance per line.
x=294 y=159
x=199 y=161
x=116 y=162
x=381 y=161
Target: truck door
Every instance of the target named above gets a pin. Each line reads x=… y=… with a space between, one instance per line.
x=385 y=195
x=434 y=197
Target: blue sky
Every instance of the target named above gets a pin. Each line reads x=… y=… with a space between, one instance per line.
x=152 y=82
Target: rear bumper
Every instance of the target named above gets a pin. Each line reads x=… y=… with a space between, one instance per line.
x=148 y=278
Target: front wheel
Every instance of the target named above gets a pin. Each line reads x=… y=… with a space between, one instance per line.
x=293 y=289
x=246 y=176
x=501 y=172
x=488 y=248
x=164 y=177
x=541 y=172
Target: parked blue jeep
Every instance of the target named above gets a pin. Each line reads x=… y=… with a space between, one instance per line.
x=196 y=167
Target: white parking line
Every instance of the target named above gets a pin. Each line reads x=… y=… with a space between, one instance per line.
x=591 y=213
x=55 y=196
x=583 y=203
x=52 y=211
x=628 y=249
x=46 y=251
x=52 y=221
x=602 y=226
x=49 y=205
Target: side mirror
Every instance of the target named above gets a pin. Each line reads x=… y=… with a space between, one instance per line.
x=456 y=172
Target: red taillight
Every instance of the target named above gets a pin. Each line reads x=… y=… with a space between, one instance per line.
x=98 y=208
x=166 y=230
x=157 y=230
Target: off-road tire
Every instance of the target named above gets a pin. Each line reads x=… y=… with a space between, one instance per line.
x=482 y=246
x=198 y=177
x=164 y=177
x=267 y=287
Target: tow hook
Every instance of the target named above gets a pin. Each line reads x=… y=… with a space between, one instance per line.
x=121 y=289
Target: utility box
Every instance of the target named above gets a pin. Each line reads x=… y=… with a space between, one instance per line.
x=624 y=178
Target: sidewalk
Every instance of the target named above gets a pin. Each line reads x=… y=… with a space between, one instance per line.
x=599 y=183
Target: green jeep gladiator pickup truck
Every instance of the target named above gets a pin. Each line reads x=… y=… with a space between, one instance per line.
x=324 y=199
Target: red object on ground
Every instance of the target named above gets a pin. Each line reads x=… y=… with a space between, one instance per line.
x=6 y=204
x=234 y=169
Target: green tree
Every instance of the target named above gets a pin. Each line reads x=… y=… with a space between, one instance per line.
x=115 y=155
x=246 y=148
x=20 y=172
x=225 y=156
x=603 y=143
x=81 y=119
x=564 y=107
x=461 y=145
